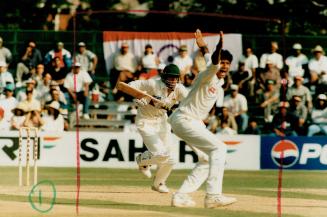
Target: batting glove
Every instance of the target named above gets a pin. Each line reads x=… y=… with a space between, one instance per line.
x=141 y=102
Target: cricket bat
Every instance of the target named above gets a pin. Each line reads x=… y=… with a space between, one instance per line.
x=136 y=93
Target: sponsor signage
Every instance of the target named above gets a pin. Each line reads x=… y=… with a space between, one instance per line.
x=294 y=153
x=118 y=150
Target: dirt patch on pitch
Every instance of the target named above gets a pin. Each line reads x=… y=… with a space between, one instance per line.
x=23 y=209
x=145 y=196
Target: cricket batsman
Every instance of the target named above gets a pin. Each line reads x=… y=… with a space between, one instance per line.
x=151 y=122
x=186 y=122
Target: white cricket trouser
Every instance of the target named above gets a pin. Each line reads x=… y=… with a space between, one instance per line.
x=156 y=134
x=194 y=132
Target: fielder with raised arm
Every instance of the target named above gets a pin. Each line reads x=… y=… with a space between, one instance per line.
x=186 y=122
x=151 y=122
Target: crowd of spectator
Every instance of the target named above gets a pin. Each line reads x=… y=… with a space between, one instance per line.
x=273 y=94
x=43 y=89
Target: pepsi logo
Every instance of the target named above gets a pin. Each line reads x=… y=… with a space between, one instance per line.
x=285 y=153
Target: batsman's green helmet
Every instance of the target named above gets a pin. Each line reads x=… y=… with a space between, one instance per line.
x=171 y=70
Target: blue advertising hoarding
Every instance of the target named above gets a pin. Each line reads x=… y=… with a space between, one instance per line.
x=294 y=152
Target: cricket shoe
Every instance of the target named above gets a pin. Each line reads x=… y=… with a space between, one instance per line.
x=182 y=200
x=145 y=170
x=161 y=188
x=215 y=200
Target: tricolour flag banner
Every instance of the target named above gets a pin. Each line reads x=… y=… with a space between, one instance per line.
x=166 y=44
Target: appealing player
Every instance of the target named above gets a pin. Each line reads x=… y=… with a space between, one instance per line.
x=186 y=122
x=151 y=122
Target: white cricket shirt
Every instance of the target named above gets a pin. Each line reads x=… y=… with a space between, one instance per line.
x=204 y=94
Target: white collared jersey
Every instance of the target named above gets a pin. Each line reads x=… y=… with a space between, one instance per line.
x=204 y=94
x=157 y=89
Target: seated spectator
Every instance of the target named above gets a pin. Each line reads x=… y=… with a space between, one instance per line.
x=183 y=61
x=240 y=77
x=33 y=118
x=31 y=103
x=80 y=92
x=269 y=100
x=31 y=56
x=18 y=118
x=63 y=54
x=53 y=120
x=9 y=102
x=252 y=128
x=251 y=65
x=43 y=88
x=49 y=96
x=86 y=58
x=319 y=117
x=237 y=105
x=318 y=65
x=270 y=72
x=57 y=72
x=225 y=116
x=39 y=73
x=5 y=54
x=124 y=66
x=88 y=61
x=272 y=56
x=251 y=62
x=224 y=129
x=63 y=109
x=298 y=89
x=30 y=86
x=284 y=123
x=5 y=76
x=297 y=62
x=301 y=111
x=149 y=63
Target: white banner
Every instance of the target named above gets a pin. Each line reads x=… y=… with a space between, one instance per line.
x=118 y=150
x=166 y=44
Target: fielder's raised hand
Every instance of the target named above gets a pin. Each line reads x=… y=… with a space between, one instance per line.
x=200 y=42
x=215 y=57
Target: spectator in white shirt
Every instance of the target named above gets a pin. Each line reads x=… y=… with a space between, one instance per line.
x=5 y=76
x=5 y=53
x=53 y=120
x=319 y=117
x=9 y=102
x=43 y=87
x=124 y=65
x=18 y=117
x=183 y=61
x=318 y=66
x=149 y=63
x=276 y=58
x=296 y=62
x=30 y=85
x=224 y=129
x=86 y=58
x=80 y=92
x=251 y=62
x=237 y=105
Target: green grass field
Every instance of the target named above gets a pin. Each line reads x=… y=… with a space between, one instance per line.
x=107 y=190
